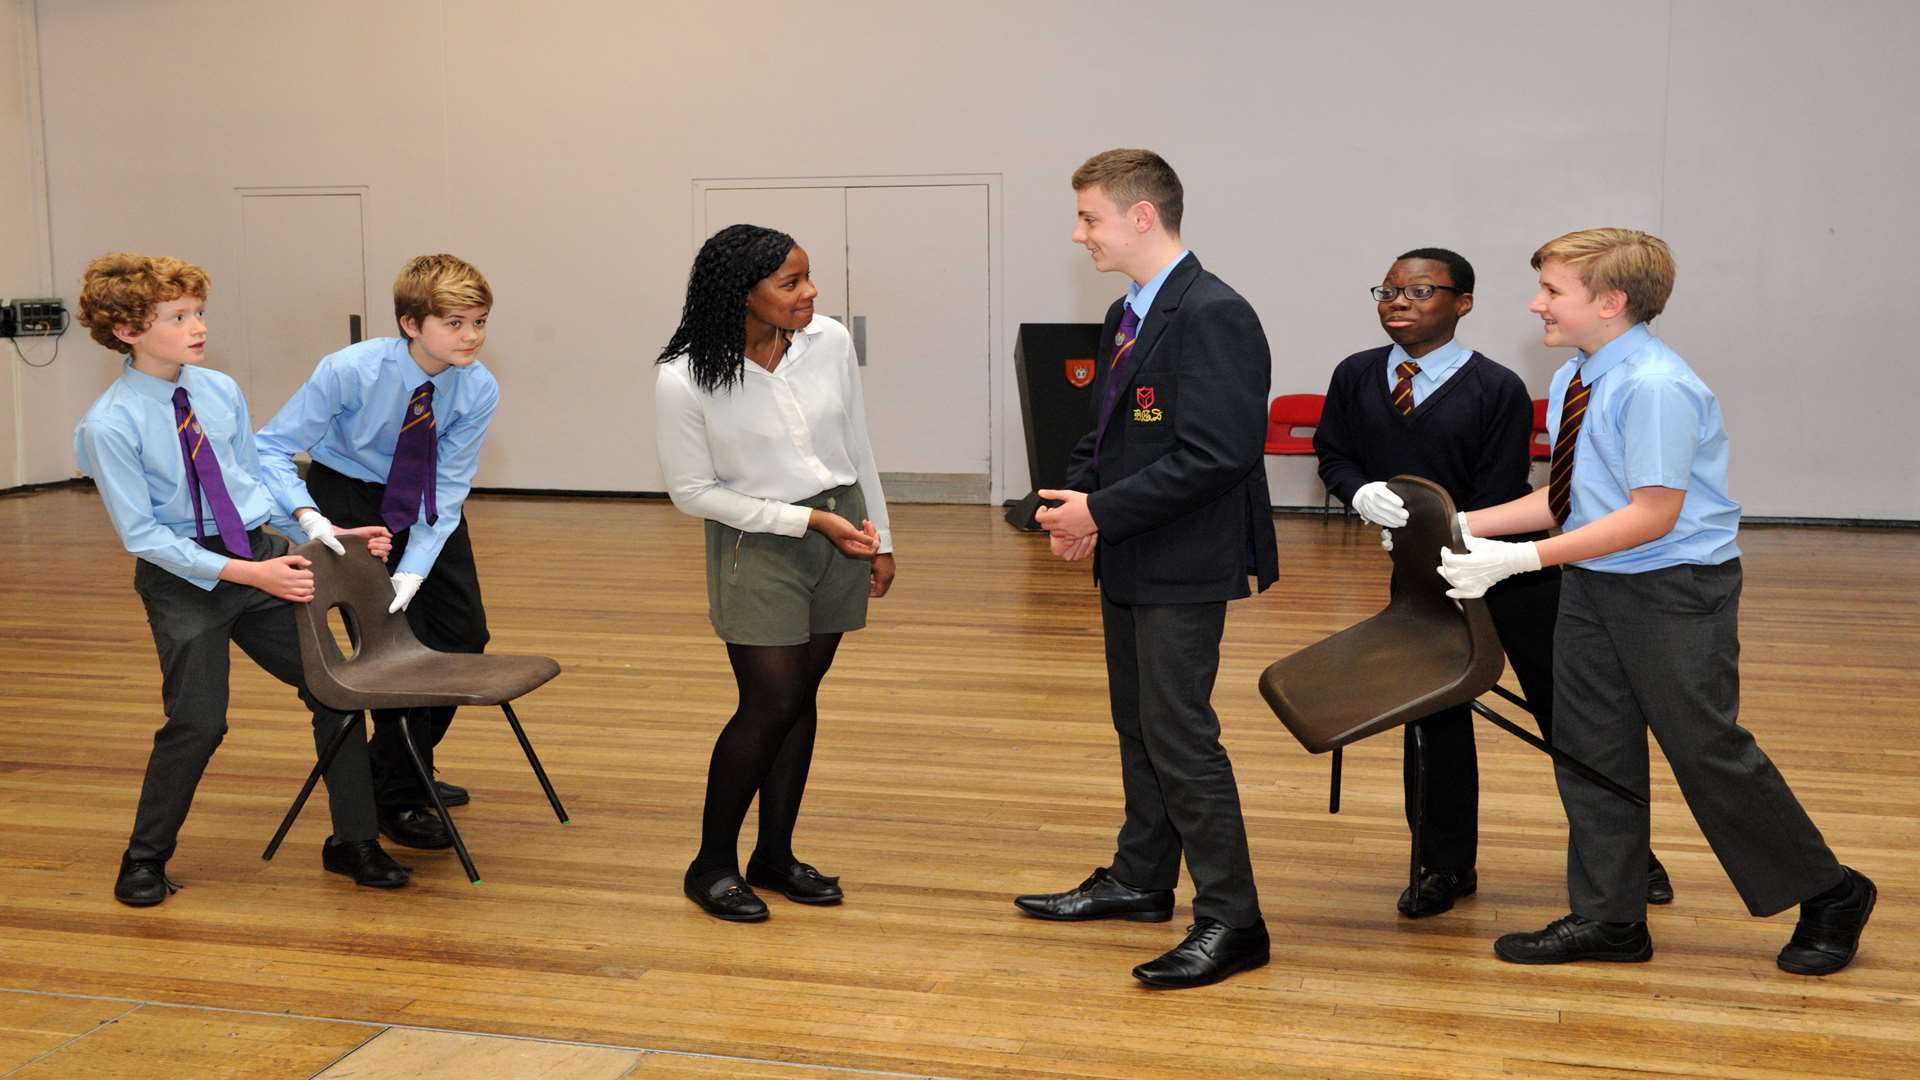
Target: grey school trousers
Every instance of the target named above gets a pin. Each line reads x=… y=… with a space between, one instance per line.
x=191 y=629
x=1660 y=651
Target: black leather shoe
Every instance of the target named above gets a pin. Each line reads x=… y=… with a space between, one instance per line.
x=1101 y=896
x=798 y=882
x=1659 y=886
x=1212 y=951
x=727 y=898
x=414 y=827
x=143 y=883
x=1437 y=892
x=452 y=794
x=1828 y=932
x=1571 y=938
x=365 y=862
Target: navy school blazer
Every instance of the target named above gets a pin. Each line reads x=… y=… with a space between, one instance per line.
x=1179 y=485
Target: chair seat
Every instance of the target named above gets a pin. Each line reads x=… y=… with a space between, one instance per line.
x=418 y=678
x=1356 y=683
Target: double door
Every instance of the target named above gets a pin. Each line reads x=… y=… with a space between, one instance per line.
x=906 y=267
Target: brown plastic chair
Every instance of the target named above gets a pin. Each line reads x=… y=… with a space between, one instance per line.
x=390 y=669
x=1425 y=652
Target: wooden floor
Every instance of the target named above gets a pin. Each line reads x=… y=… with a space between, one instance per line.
x=964 y=756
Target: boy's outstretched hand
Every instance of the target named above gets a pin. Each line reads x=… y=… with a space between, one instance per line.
x=379 y=540
x=286 y=577
x=1484 y=564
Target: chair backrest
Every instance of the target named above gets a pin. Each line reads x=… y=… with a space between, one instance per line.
x=1422 y=653
x=1539 y=443
x=358 y=586
x=1289 y=411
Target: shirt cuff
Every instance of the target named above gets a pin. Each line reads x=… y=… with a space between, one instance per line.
x=792 y=520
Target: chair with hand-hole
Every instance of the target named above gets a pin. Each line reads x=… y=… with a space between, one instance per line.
x=1423 y=653
x=390 y=669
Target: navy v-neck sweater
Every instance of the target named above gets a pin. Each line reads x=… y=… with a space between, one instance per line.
x=1470 y=435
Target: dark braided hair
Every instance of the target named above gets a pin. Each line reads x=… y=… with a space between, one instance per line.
x=712 y=334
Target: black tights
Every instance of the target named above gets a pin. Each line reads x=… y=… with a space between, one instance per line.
x=765 y=748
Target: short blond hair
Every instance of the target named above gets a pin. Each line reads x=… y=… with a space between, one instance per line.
x=125 y=289
x=437 y=285
x=1132 y=176
x=1638 y=264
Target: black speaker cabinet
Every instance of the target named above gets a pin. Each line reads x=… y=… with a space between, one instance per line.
x=1054 y=363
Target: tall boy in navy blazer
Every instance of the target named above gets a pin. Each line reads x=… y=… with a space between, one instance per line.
x=1169 y=494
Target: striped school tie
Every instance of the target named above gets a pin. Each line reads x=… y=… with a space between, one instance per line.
x=416 y=461
x=1129 y=333
x=1560 y=479
x=204 y=480
x=1403 y=390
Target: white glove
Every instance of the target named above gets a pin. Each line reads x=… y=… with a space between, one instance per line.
x=405 y=585
x=1377 y=503
x=1386 y=539
x=1485 y=563
x=1465 y=533
x=319 y=528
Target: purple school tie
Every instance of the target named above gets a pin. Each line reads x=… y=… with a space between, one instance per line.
x=204 y=479
x=416 y=460
x=1117 y=370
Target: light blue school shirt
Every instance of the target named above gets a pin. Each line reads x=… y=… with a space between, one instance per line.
x=1140 y=297
x=348 y=416
x=1435 y=368
x=1650 y=422
x=129 y=442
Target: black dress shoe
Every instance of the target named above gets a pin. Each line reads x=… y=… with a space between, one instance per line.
x=1659 y=886
x=1828 y=932
x=143 y=883
x=1212 y=951
x=726 y=897
x=1571 y=938
x=798 y=882
x=1101 y=896
x=1437 y=892
x=365 y=862
x=452 y=794
x=414 y=827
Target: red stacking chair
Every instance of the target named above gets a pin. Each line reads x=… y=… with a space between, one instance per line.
x=1540 y=443
x=1290 y=411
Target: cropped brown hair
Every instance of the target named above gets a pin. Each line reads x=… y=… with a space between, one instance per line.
x=1131 y=176
x=1636 y=263
x=436 y=285
x=124 y=289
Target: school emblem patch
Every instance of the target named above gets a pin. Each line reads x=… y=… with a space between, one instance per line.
x=1143 y=395
x=1080 y=374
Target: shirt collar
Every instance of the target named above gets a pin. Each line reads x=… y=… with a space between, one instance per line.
x=411 y=371
x=1436 y=365
x=149 y=386
x=1610 y=354
x=1140 y=297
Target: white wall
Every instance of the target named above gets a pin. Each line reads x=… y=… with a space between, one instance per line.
x=555 y=145
x=25 y=262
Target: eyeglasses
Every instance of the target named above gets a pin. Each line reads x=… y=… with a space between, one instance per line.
x=1387 y=293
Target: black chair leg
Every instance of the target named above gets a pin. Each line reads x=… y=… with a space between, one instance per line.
x=533 y=759
x=1333 y=793
x=426 y=780
x=1586 y=771
x=1419 y=805
x=320 y=766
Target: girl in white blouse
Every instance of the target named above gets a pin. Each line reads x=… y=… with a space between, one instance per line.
x=762 y=433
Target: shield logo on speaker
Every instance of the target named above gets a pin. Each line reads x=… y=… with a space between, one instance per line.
x=1080 y=374
x=1144 y=396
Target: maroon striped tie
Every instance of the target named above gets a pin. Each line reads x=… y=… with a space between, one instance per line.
x=1403 y=390
x=1560 y=478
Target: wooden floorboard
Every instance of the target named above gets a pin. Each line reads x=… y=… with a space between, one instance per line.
x=964 y=756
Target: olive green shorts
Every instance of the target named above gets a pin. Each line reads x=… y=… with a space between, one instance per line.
x=767 y=589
